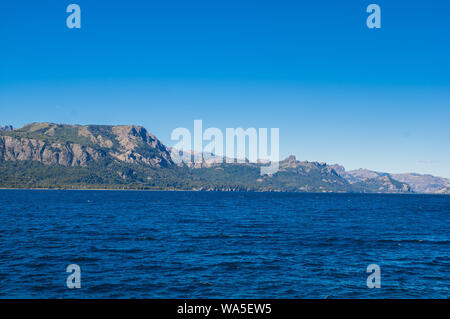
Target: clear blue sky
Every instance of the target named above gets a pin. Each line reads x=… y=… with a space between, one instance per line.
x=338 y=91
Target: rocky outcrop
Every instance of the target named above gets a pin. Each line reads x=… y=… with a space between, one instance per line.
x=136 y=145
x=75 y=145
x=382 y=184
x=425 y=183
x=372 y=181
x=23 y=149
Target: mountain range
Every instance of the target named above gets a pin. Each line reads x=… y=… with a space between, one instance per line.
x=419 y=183
x=49 y=155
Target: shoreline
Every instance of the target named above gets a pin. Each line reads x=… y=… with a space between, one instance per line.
x=206 y=191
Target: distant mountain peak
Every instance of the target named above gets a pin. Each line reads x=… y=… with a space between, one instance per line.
x=339 y=169
x=291 y=158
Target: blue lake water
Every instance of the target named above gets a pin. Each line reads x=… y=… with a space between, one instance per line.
x=132 y=244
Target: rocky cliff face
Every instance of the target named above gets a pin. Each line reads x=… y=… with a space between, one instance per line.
x=26 y=149
x=74 y=145
x=383 y=184
x=425 y=183
x=373 y=181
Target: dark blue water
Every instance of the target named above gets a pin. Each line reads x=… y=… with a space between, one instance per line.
x=225 y=245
